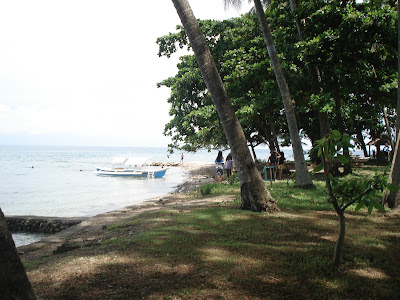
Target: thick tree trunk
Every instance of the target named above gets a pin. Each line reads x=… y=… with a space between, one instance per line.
x=324 y=125
x=255 y=195
x=14 y=283
x=303 y=178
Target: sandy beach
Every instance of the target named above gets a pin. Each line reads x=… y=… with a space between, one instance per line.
x=93 y=229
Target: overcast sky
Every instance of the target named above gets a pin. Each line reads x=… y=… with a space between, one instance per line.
x=84 y=73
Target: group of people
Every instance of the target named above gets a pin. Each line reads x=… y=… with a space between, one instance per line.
x=276 y=159
x=222 y=164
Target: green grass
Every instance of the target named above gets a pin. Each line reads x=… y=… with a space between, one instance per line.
x=240 y=248
x=225 y=240
x=215 y=189
x=32 y=264
x=289 y=197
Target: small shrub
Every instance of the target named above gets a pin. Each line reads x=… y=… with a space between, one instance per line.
x=206 y=189
x=234 y=178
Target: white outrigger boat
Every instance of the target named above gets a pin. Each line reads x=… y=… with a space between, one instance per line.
x=132 y=166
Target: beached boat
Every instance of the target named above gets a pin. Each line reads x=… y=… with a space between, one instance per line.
x=132 y=166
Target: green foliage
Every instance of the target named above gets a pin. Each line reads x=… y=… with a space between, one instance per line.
x=368 y=191
x=353 y=45
x=344 y=192
x=365 y=191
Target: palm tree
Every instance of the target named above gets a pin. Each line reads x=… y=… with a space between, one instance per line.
x=303 y=178
x=14 y=283
x=254 y=193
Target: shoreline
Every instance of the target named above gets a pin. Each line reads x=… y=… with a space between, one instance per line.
x=200 y=173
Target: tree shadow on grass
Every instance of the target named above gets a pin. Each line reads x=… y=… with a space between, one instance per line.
x=222 y=252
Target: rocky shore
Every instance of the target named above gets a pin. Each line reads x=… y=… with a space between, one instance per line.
x=40 y=224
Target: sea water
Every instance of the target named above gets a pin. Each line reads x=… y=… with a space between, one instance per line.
x=61 y=181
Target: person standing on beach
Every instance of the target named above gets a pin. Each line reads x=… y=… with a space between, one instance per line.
x=219 y=161
x=228 y=165
x=273 y=160
x=182 y=158
x=281 y=164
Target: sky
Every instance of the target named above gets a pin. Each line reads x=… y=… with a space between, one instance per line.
x=84 y=73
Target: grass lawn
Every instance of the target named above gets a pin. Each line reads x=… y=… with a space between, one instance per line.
x=223 y=252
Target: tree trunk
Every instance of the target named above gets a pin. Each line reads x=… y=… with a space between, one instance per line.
x=270 y=140
x=274 y=135
x=268 y=136
x=324 y=125
x=347 y=169
x=255 y=195
x=14 y=283
x=361 y=140
x=398 y=71
x=388 y=129
x=340 y=241
x=303 y=178
x=333 y=200
x=254 y=152
x=394 y=197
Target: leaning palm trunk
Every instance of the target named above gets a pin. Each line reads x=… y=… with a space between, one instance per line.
x=303 y=178
x=254 y=193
